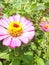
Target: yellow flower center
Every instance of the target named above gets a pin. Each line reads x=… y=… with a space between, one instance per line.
x=46 y=26
x=15 y=29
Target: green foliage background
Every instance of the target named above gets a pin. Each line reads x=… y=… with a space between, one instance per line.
x=37 y=51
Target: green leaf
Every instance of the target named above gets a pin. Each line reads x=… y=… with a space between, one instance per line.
x=47 y=4
x=26 y=59
x=0 y=63
x=15 y=62
x=45 y=1
x=4 y=56
x=47 y=62
x=47 y=52
x=40 y=6
x=29 y=53
x=40 y=61
x=33 y=46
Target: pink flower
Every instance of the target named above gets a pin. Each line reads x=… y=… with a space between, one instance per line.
x=45 y=26
x=16 y=29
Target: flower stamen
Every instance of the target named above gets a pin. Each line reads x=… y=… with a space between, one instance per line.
x=46 y=26
x=15 y=29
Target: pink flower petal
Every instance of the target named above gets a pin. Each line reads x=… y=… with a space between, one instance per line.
x=28 y=25
x=3 y=37
x=11 y=19
x=24 y=21
x=15 y=43
x=24 y=39
x=15 y=18
x=31 y=28
x=2 y=24
x=29 y=35
x=44 y=23
x=5 y=22
x=3 y=31
x=7 y=41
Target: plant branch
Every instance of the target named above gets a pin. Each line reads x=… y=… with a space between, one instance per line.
x=43 y=13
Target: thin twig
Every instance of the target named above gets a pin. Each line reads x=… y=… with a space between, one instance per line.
x=44 y=12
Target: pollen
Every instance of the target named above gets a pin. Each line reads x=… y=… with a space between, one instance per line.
x=15 y=29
